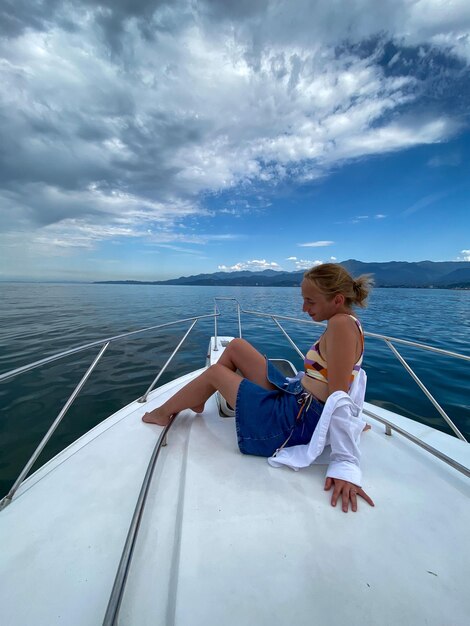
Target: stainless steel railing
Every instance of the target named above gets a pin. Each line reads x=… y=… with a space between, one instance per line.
x=26 y=469
x=389 y=426
x=216 y=299
x=389 y=342
x=104 y=343
x=99 y=342
x=112 y=612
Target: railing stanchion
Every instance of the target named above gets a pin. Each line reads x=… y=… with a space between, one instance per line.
x=387 y=340
x=143 y=399
x=100 y=342
x=25 y=471
x=104 y=343
x=302 y=356
x=419 y=442
x=423 y=388
x=215 y=327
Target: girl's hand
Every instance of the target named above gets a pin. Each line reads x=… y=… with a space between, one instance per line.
x=348 y=493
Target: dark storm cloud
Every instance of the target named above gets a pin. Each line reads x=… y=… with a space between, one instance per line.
x=234 y=9
x=112 y=16
x=44 y=141
x=18 y=15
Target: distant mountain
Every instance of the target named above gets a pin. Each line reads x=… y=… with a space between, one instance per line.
x=445 y=274
x=420 y=274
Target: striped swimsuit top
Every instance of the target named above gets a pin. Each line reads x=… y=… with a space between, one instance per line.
x=315 y=365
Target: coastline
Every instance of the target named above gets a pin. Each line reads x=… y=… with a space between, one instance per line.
x=240 y=284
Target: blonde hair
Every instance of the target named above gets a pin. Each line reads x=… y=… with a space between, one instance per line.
x=331 y=279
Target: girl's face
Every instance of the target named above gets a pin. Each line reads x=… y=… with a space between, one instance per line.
x=315 y=303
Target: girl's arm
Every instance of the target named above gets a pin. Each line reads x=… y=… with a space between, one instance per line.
x=342 y=348
x=342 y=352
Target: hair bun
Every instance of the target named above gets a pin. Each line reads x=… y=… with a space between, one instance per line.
x=331 y=279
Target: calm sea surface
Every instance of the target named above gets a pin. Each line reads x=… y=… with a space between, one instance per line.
x=37 y=320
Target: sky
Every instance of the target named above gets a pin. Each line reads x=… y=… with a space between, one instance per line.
x=151 y=139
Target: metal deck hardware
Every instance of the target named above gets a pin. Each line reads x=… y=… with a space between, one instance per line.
x=112 y=611
x=157 y=378
x=112 y=614
x=422 y=444
x=388 y=341
x=104 y=343
x=24 y=472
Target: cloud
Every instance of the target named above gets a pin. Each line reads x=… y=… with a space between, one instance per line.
x=75 y=218
x=117 y=116
x=396 y=136
x=316 y=244
x=254 y=265
x=304 y=264
x=427 y=201
x=448 y=160
x=258 y=265
x=412 y=21
x=464 y=255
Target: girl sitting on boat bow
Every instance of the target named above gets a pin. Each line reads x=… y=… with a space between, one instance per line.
x=272 y=412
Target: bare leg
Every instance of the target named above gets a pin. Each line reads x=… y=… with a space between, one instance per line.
x=194 y=394
x=241 y=355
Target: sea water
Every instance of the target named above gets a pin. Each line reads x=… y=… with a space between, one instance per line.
x=38 y=320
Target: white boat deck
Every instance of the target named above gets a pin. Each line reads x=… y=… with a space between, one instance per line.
x=225 y=538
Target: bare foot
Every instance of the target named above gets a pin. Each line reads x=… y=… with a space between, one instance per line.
x=199 y=408
x=366 y=428
x=156 y=417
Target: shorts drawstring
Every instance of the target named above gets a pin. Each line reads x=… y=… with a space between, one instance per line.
x=305 y=400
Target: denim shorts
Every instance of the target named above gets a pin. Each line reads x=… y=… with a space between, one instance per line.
x=266 y=419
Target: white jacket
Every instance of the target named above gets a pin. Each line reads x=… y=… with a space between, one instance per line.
x=340 y=427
